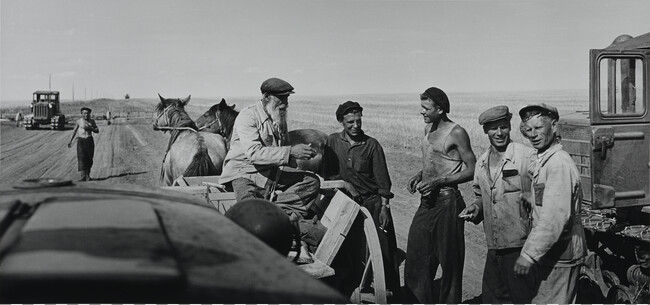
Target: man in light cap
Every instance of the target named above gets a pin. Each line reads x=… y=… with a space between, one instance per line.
x=555 y=247
x=500 y=180
x=436 y=236
x=256 y=164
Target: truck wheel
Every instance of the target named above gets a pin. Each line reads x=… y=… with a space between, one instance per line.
x=62 y=122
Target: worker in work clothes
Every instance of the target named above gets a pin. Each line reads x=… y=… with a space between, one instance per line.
x=500 y=180
x=359 y=160
x=555 y=248
x=83 y=132
x=19 y=118
x=436 y=236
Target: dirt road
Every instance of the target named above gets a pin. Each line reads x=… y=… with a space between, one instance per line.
x=129 y=151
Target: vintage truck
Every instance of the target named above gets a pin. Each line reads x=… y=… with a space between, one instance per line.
x=45 y=110
x=610 y=144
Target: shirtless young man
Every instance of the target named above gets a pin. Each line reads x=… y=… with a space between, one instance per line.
x=85 y=143
x=436 y=236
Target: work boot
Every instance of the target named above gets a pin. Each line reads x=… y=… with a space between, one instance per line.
x=82 y=176
x=88 y=176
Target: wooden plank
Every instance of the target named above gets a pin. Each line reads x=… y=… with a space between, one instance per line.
x=340 y=215
x=219 y=187
x=180 y=181
x=200 y=189
x=332 y=184
x=221 y=196
x=198 y=180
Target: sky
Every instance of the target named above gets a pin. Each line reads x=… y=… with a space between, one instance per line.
x=223 y=48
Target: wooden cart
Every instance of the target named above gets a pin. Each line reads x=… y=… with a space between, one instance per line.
x=340 y=214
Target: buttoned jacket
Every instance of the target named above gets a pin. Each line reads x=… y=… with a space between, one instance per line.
x=557 y=237
x=256 y=147
x=506 y=217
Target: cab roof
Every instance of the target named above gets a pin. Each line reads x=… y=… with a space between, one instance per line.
x=639 y=42
x=46 y=92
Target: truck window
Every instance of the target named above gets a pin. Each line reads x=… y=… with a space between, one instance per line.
x=622 y=87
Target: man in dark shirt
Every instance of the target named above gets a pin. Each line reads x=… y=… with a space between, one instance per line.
x=358 y=159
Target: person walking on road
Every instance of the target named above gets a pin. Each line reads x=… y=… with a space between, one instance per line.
x=83 y=132
x=436 y=236
x=500 y=180
x=555 y=248
x=19 y=118
x=358 y=159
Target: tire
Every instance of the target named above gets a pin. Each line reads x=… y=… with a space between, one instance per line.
x=61 y=122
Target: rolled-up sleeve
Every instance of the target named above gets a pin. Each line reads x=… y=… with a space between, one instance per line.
x=254 y=149
x=380 y=171
x=554 y=213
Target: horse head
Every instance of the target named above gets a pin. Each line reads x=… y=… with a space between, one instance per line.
x=219 y=119
x=171 y=112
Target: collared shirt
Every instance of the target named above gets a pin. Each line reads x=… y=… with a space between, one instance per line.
x=362 y=164
x=255 y=147
x=506 y=219
x=557 y=237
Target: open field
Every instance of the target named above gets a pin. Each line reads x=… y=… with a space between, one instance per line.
x=129 y=151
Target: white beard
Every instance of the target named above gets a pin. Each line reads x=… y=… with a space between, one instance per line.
x=279 y=118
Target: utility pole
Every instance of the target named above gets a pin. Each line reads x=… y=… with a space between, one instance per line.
x=50 y=81
x=73 y=91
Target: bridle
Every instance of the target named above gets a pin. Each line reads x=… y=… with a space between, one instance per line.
x=216 y=120
x=163 y=112
x=167 y=127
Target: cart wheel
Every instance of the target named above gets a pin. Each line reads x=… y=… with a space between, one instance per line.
x=372 y=288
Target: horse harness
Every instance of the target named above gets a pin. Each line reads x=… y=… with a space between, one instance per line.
x=216 y=120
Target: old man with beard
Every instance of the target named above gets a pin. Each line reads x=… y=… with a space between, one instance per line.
x=260 y=160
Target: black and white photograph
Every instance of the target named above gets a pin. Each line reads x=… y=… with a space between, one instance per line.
x=325 y=152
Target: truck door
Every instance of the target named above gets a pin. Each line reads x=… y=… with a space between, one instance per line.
x=621 y=129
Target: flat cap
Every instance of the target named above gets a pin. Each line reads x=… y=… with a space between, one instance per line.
x=276 y=86
x=494 y=114
x=345 y=108
x=437 y=96
x=85 y=108
x=543 y=108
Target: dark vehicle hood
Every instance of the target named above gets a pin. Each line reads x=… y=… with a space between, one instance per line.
x=123 y=243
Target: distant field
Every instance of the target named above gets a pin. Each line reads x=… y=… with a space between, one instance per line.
x=396 y=122
x=394 y=119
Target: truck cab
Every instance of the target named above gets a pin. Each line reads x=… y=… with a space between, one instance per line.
x=45 y=108
x=610 y=144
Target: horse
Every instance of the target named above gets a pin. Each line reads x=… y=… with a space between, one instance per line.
x=315 y=138
x=189 y=152
x=219 y=119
